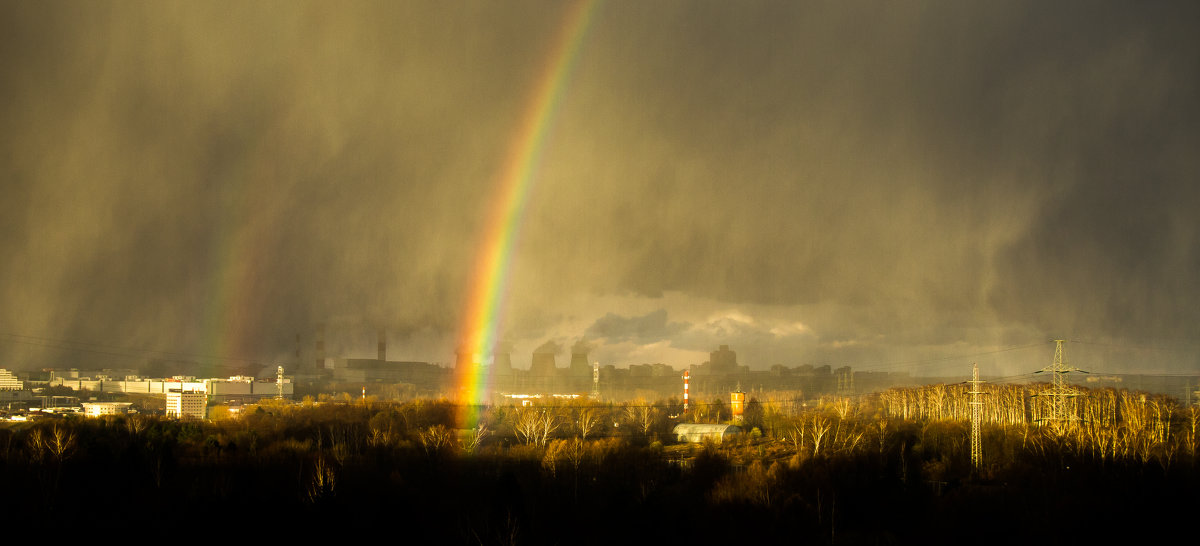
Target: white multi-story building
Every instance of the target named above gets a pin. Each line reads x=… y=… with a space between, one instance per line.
x=9 y=382
x=183 y=404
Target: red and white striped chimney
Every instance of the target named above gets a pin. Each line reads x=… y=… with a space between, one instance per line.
x=686 y=376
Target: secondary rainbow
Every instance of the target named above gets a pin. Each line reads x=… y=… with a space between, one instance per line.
x=489 y=279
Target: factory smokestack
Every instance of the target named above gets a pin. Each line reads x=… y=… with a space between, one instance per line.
x=501 y=360
x=543 y=365
x=319 y=362
x=579 y=359
x=382 y=346
x=464 y=358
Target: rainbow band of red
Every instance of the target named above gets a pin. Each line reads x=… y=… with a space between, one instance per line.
x=489 y=282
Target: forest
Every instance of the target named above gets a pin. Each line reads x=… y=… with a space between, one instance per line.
x=888 y=468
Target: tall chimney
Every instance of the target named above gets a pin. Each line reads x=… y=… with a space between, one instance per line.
x=320 y=360
x=463 y=358
x=382 y=346
x=501 y=361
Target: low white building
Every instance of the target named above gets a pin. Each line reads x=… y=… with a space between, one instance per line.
x=96 y=409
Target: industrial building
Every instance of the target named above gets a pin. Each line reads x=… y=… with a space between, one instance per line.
x=369 y=370
x=696 y=433
x=236 y=388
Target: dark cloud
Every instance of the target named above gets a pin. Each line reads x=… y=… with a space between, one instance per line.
x=912 y=179
x=649 y=328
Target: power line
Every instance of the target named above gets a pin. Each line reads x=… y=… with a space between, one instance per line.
x=1132 y=347
x=898 y=363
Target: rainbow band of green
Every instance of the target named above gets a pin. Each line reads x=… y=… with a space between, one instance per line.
x=233 y=304
x=489 y=281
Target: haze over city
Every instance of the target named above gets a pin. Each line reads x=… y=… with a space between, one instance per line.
x=893 y=186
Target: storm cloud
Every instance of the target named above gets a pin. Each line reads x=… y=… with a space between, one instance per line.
x=649 y=328
x=860 y=183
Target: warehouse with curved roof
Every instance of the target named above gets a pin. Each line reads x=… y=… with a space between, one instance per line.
x=699 y=432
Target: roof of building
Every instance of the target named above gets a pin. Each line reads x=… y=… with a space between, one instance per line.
x=697 y=432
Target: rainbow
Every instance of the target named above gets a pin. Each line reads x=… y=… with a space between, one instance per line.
x=489 y=280
x=235 y=303
x=236 y=282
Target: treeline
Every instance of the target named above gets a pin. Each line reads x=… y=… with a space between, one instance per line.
x=888 y=468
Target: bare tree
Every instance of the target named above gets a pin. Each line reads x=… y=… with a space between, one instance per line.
x=434 y=439
x=135 y=424
x=587 y=419
x=323 y=481
x=526 y=424
x=575 y=450
x=642 y=415
x=883 y=425
x=342 y=442
x=61 y=443
x=820 y=426
x=550 y=457
x=534 y=425
x=381 y=430
x=795 y=435
x=381 y=435
x=549 y=423
x=842 y=406
x=475 y=438
x=36 y=444
x=1193 y=417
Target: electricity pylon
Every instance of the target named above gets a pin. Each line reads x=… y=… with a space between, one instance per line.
x=279 y=383
x=976 y=418
x=1060 y=391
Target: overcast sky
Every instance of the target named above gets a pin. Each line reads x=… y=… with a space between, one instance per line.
x=884 y=185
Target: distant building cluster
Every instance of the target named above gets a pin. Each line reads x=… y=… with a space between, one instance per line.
x=543 y=380
x=544 y=377
x=184 y=397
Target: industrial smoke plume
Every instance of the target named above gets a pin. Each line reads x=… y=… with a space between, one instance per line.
x=853 y=183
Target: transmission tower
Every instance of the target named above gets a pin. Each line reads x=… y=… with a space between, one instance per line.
x=1061 y=390
x=279 y=383
x=976 y=417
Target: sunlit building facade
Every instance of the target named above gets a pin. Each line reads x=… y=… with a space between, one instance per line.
x=9 y=382
x=98 y=409
x=183 y=404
